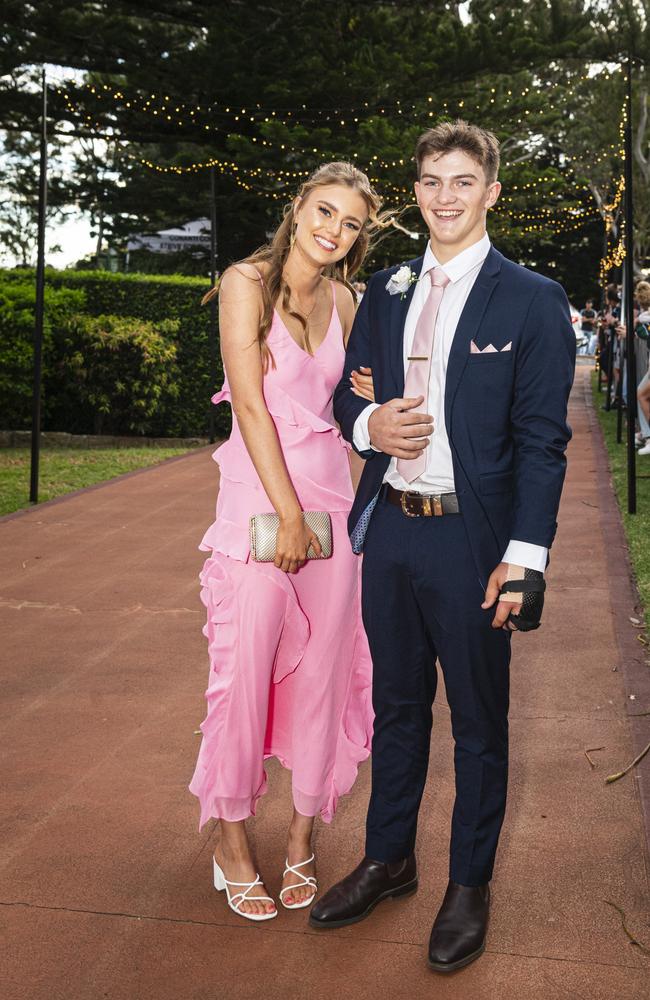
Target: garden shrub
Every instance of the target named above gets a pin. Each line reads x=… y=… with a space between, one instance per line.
x=114 y=372
x=153 y=299
x=17 y=301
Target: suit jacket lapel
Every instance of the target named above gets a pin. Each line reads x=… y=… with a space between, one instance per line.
x=468 y=325
x=399 y=308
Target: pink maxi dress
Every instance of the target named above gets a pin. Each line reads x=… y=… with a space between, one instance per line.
x=290 y=668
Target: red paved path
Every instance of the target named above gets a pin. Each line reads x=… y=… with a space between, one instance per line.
x=105 y=882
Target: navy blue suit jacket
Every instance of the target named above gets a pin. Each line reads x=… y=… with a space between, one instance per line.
x=505 y=411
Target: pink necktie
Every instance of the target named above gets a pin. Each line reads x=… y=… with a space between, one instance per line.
x=417 y=373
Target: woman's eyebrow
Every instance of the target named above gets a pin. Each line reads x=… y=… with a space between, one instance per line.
x=335 y=209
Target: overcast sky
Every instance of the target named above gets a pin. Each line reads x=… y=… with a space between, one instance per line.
x=72 y=235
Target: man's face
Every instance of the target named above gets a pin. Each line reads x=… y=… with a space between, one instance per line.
x=454 y=195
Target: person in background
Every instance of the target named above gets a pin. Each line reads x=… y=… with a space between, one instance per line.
x=610 y=348
x=643 y=397
x=588 y=318
x=642 y=345
x=359 y=288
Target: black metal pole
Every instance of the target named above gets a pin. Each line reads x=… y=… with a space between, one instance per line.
x=619 y=394
x=629 y=301
x=213 y=302
x=38 y=311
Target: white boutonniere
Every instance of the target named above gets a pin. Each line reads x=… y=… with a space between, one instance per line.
x=400 y=282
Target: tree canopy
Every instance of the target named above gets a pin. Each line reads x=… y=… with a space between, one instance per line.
x=266 y=91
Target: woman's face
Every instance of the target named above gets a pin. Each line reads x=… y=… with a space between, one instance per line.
x=328 y=222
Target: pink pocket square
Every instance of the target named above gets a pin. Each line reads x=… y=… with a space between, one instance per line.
x=490 y=349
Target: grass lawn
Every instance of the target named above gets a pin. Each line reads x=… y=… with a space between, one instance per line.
x=63 y=470
x=637 y=526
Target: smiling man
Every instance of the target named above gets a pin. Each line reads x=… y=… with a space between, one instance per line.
x=472 y=359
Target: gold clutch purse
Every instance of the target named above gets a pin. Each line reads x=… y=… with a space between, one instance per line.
x=264 y=533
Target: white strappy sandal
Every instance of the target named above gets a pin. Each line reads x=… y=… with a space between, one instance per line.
x=234 y=901
x=305 y=880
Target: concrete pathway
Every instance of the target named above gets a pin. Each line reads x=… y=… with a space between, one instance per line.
x=104 y=880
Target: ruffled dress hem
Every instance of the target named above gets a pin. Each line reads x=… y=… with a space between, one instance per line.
x=234 y=810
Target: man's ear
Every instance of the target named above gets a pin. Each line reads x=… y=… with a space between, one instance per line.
x=493 y=193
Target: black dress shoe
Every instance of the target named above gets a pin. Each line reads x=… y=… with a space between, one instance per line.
x=458 y=934
x=356 y=896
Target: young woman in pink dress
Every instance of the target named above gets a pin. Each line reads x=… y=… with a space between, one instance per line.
x=290 y=670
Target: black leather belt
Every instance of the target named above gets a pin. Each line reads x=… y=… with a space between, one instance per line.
x=420 y=504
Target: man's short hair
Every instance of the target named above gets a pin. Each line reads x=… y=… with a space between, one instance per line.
x=481 y=145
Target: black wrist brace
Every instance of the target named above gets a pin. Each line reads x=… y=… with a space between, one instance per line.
x=532 y=587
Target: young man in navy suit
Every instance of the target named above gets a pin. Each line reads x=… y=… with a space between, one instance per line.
x=472 y=359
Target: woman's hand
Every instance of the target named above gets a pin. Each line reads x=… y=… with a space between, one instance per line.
x=294 y=540
x=362 y=384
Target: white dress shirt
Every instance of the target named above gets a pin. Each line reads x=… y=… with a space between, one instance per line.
x=438 y=476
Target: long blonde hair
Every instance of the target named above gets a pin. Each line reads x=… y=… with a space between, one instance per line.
x=642 y=292
x=276 y=252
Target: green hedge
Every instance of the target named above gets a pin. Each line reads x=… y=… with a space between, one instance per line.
x=16 y=348
x=116 y=372
x=157 y=300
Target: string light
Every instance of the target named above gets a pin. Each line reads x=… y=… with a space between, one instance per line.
x=620 y=190
x=555 y=219
x=613 y=258
x=397 y=192
x=166 y=105
x=556 y=230
x=170 y=108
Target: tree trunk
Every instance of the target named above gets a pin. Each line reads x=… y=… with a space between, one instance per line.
x=100 y=234
x=640 y=144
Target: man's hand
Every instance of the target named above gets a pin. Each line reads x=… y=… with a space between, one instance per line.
x=397 y=430
x=504 y=607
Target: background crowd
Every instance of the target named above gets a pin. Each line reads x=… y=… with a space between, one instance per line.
x=604 y=335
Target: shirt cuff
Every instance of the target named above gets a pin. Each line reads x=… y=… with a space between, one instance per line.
x=524 y=554
x=360 y=432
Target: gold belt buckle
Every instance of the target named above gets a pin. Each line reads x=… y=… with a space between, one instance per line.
x=404 y=502
x=431 y=506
